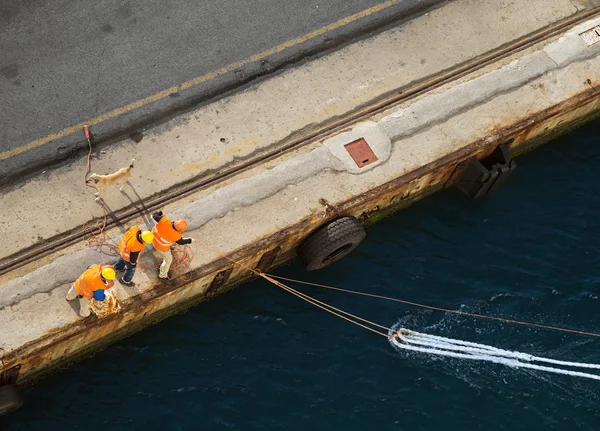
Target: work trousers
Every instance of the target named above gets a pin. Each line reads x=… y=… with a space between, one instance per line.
x=166 y=263
x=129 y=269
x=84 y=303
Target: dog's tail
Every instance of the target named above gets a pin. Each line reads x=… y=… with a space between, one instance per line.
x=131 y=164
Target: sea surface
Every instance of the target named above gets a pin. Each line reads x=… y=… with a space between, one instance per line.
x=259 y=358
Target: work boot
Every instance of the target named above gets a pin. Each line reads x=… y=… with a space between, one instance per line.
x=126 y=283
x=165 y=280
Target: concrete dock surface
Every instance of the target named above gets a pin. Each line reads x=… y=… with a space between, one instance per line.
x=123 y=65
x=274 y=196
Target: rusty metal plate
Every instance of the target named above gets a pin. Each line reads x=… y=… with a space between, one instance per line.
x=361 y=152
x=591 y=36
x=10 y=375
x=267 y=259
x=219 y=280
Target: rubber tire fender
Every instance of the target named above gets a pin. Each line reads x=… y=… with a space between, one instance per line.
x=11 y=398
x=331 y=242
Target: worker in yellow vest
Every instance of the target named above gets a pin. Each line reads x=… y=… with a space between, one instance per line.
x=166 y=233
x=130 y=247
x=91 y=284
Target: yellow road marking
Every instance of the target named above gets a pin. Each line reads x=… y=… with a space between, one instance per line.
x=196 y=81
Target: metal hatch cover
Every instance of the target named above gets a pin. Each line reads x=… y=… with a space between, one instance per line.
x=591 y=36
x=361 y=152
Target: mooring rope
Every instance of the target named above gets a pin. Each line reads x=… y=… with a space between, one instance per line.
x=331 y=309
x=404 y=339
x=446 y=310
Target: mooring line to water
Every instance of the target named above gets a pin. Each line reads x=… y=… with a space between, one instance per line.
x=331 y=309
x=405 y=339
x=442 y=346
x=324 y=306
x=446 y=310
x=274 y=279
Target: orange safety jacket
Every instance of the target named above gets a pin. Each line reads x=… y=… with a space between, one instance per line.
x=130 y=244
x=89 y=281
x=164 y=234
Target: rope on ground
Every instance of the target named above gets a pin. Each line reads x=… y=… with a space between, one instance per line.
x=97 y=239
x=182 y=263
x=464 y=313
x=94 y=233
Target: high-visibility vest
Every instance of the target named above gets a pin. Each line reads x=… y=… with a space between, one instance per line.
x=89 y=281
x=129 y=243
x=164 y=234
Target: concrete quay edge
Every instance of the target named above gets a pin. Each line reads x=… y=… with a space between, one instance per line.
x=277 y=204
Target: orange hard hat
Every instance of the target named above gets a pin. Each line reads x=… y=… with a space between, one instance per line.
x=181 y=225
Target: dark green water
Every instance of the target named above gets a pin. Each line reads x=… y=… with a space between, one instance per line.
x=260 y=359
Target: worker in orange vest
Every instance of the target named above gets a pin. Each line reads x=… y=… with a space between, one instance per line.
x=130 y=247
x=166 y=233
x=91 y=284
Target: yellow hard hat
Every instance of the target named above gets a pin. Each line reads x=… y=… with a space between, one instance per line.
x=108 y=273
x=147 y=236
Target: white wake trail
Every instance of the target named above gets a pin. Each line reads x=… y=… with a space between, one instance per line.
x=406 y=339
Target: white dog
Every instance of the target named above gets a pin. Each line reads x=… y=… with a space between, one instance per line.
x=102 y=181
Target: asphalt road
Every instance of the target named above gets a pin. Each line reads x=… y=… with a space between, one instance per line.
x=64 y=63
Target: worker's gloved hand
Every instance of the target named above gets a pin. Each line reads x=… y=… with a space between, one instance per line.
x=133 y=265
x=99 y=295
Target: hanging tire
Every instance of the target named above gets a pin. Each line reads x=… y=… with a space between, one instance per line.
x=11 y=398
x=331 y=242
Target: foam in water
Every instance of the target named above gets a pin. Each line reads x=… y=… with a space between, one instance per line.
x=405 y=339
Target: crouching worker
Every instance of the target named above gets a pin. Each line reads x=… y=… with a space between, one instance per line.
x=130 y=247
x=166 y=233
x=91 y=284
